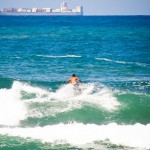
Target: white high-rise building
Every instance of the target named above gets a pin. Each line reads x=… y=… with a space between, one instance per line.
x=79 y=9
x=63 y=7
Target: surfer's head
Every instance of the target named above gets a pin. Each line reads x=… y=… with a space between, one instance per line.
x=73 y=75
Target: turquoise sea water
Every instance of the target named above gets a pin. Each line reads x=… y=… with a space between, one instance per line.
x=110 y=54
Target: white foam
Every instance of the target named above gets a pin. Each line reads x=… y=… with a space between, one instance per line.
x=65 y=99
x=15 y=37
x=65 y=56
x=29 y=89
x=91 y=94
x=12 y=110
x=123 y=62
x=137 y=135
x=106 y=59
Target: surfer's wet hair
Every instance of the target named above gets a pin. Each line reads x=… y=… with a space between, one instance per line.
x=73 y=75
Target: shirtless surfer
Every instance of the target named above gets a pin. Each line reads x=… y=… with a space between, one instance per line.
x=73 y=80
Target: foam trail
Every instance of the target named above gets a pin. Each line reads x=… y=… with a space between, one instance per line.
x=65 y=56
x=99 y=95
x=137 y=135
x=65 y=99
x=91 y=94
x=123 y=62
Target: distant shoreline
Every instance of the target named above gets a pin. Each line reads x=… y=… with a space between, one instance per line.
x=75 y=15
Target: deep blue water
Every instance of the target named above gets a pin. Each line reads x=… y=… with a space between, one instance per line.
x=110 y=54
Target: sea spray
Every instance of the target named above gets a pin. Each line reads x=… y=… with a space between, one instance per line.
x=12 y=109
x=96 y=94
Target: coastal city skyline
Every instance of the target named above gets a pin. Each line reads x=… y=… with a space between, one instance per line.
x=98 y=7
x=62 y=10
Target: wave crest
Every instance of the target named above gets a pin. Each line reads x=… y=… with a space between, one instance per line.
x=64 y=56
x=123 y=62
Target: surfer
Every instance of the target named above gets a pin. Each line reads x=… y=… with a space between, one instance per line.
x=74 y=81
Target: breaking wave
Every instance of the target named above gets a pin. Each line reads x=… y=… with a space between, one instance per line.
x=78 y=134
x=15 y=102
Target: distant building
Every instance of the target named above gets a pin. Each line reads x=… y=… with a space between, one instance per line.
x=63 y=10
x=56 y=10
x=19 y=9
x=63 y=7
x=34 y=10
x=79 y=9
x=29 y=10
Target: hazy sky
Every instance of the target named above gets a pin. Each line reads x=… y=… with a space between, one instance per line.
x=91 y=7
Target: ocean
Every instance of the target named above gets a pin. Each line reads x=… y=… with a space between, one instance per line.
x=40 y=111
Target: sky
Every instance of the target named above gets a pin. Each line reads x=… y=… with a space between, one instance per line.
x=90 y=7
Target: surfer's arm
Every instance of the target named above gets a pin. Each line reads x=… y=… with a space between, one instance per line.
x=79 y=80
x=68 y=81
